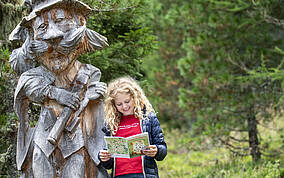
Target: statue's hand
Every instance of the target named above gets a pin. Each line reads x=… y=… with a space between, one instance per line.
x=64 y=97
x=95 y=90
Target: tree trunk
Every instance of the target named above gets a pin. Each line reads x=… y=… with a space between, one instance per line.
x=253 y=139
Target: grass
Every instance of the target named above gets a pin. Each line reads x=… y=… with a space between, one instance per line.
x=218 y=162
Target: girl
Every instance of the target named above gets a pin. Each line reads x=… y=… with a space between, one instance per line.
x=129 y=112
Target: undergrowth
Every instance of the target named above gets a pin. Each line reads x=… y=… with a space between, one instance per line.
x=186 y=160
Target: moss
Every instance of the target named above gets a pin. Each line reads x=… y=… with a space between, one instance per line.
x=10 y=15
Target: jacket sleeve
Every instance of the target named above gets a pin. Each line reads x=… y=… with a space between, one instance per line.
x=108 y=164
x=158 y=138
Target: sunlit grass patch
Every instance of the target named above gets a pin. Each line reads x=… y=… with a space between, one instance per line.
x=240 y=168
x=217 y=162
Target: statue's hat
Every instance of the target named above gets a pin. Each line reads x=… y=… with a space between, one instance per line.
x=38 y=6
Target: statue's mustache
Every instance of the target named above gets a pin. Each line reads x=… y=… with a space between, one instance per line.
x=65 y=46
x=25 y=58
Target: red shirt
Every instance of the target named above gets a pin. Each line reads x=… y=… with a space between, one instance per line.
x=129 y=125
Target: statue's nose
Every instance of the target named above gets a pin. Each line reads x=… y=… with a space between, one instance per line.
x=53 y=34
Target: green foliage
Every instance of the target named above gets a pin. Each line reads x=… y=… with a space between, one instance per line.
x=8 y=126
x=169 y=21
x=208 y=58
x=5 y=75
x=11 y=13
x=129 y=38
x=4 y=58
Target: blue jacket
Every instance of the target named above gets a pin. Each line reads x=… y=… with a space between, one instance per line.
x=152 y=126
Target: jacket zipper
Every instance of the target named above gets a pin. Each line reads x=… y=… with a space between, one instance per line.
x=113 y=172
x=142 y=157
x=113 y=175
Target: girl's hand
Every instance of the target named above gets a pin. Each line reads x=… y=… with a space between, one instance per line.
x=104 y=155
x=151 y=150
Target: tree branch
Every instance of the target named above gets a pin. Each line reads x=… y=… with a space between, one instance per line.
x=113 y=9
x=241 y=65
x=239 y=140
x=237 y=153
x=4 y=42
x=240 y=130
x=273 y=20
x=232 y=146
x=274 y=154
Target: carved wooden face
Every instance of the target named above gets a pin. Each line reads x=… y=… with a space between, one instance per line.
x=51 y=28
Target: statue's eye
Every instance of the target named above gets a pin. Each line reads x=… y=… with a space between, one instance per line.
x=42 y=26
x=58 y=20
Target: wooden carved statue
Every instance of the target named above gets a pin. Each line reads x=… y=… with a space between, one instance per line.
x=67 y=137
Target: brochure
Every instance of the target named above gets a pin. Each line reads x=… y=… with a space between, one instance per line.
x=129 y=147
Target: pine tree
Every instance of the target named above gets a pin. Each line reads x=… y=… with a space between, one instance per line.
x=211 y=55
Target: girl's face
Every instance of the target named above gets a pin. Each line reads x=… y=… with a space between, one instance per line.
x=124 y=104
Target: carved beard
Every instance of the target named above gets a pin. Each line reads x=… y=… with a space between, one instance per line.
x=57 y=57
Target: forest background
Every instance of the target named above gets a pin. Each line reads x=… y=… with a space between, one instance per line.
x=212 y=69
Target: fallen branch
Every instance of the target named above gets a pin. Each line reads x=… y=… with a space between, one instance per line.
x=277 y=154
x=239 y=140
x=232 y=146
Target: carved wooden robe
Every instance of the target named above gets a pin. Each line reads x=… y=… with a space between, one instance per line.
x=88 y=138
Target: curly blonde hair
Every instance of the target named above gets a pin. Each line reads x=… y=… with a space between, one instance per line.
x=129 y=86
